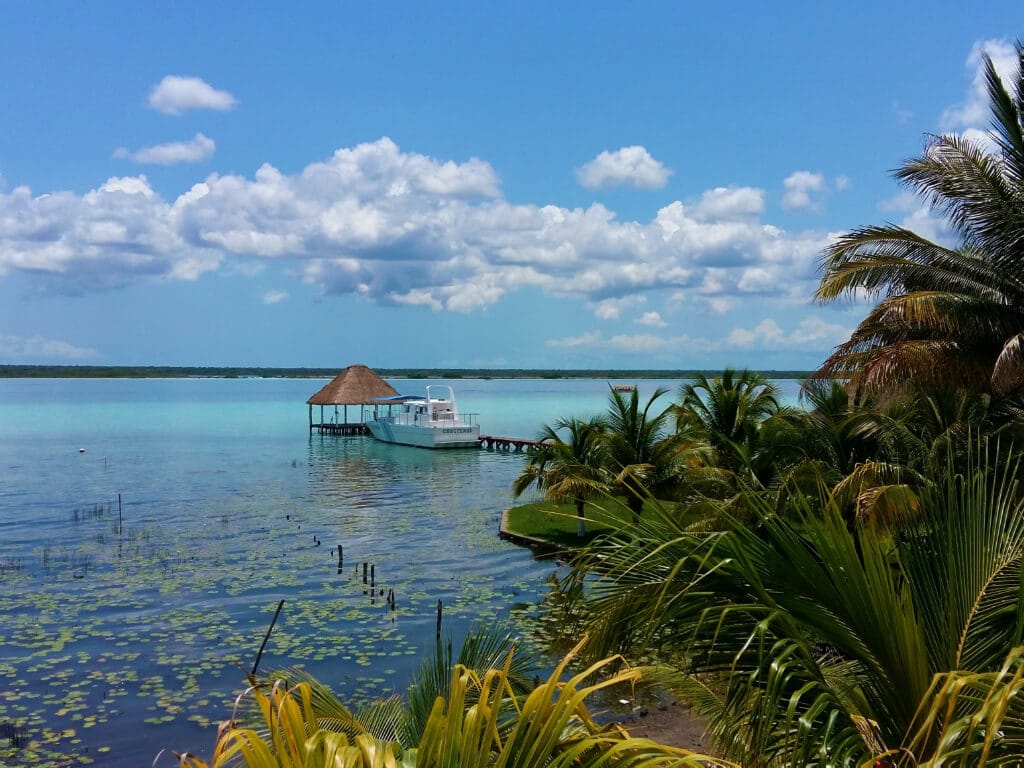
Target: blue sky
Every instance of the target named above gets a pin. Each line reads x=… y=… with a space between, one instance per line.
x=460 y=184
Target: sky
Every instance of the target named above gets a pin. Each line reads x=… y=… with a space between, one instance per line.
x=473 y=184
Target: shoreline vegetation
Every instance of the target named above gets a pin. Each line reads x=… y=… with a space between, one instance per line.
x=250 y=372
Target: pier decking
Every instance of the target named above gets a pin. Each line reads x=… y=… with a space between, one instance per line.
x=508 y=443
x=336 y=428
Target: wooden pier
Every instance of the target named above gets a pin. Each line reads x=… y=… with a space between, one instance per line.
x=509 y=443
x=340 y=428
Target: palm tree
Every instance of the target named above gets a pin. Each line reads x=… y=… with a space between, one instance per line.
x=753 y=441
x=568 y=470
x=644 y=457
x=805 y=646
x=947 y=315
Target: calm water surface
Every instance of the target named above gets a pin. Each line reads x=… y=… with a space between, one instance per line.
x=122 y=634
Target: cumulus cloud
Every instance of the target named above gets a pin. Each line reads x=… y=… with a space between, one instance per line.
x=800 y=186
x=973 y=111
x=116 y=234
x=200 y=147
x=730 y=203
x=720 y=305
x=274 y=297
x=628 y=166
x=397 y=227
x=612 y=309
x=39 y=348
x=811 y=331
x=585 y=340
x=175 y=95
x=652 y=319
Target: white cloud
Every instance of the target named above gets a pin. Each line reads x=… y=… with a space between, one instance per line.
x=757 y=280
x=720 y=305
x=841 y=183
x=919 y=217
x=632 y=166
x=810 y=332
x=652 y=319
x=973 y=111
x=274 y=297
x=612 y=309
x=39 y=348
x=903 y=115
x=730 y=203
x=640 y=343
x=799 y=187
x=120 y=233
x=585 y=340
x=199 y=148
x=397 y=227
x=175 y=95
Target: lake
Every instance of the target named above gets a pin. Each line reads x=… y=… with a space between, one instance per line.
x=149 y=528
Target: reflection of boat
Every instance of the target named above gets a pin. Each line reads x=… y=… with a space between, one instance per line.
x=428 y=422
x=623 y=387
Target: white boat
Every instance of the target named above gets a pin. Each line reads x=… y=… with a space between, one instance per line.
x=433 y=421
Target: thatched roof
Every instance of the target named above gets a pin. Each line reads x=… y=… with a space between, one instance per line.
x=356 y=385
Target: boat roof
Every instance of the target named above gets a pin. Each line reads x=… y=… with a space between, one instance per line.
x=400 y=399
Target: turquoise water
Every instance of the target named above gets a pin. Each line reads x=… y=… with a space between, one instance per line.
x=125 y=633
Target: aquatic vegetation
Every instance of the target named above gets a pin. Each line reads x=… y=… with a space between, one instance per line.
x=152 y=625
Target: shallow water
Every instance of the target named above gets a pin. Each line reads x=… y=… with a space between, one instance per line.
x=126 y=632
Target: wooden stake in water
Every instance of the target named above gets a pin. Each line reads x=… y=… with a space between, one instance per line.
x=266 y=637
x=439 y=609
x=120 y=529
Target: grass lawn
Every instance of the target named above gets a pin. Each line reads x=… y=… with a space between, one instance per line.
x=556 y=523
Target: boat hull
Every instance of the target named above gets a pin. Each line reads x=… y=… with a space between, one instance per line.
x=426 y=437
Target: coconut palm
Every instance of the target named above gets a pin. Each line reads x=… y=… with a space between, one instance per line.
x=568 y=470
x=641 y=452
x=728 y=408
x=806 y=645
x=753 y=441
x=947 y=315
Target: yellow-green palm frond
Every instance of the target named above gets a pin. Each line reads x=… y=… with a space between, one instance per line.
x=483 y=721
x=972 y=718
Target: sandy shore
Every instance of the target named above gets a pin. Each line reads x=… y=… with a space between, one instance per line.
x=672 y=724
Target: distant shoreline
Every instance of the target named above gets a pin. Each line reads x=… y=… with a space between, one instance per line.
x=236 y=372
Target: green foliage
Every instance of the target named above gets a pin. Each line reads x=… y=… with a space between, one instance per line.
x=806 y=642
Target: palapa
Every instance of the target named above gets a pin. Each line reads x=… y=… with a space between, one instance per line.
x=356 y=385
